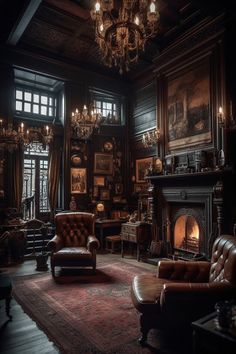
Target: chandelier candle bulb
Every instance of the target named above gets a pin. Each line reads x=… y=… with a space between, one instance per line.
x=22 y=128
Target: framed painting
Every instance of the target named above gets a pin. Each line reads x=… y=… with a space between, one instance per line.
x=78 y=180
x=103 y=163
x=99 y=181
x=141 y=166
x=104 y=194
x=188 y=107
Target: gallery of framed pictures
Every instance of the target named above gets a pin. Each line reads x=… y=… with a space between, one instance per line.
x=78 y=180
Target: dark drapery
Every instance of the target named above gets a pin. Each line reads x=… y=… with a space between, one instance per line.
x=17 y=178
x=55 y=152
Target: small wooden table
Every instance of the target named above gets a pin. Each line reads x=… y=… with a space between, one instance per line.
x=106 y=227
x=138 y=233
x=209 y=339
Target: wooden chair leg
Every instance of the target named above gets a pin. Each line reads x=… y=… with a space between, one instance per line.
x=144 y=329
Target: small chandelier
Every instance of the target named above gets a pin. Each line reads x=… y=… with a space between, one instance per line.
x=44 y=135
x=122 y=34
x=151 y=138
x=11 y=138
x=84 y=123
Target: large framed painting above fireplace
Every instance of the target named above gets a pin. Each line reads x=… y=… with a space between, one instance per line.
x=188 y=107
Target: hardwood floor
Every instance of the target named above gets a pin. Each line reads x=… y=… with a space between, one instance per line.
x=21 y=335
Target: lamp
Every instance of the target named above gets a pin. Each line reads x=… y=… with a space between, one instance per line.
x=122 y=34
x=151 y=138
x=11 y=138
x=84 y=123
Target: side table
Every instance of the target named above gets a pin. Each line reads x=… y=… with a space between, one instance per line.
x=5 y=291
x=209 y=339
x=137 y=233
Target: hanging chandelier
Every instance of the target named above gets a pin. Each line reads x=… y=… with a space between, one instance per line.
x=11 y=138
x=151 y=138
x=84 y=123
x=122 y=34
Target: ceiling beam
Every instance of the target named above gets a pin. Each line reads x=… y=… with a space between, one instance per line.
x=23 y=21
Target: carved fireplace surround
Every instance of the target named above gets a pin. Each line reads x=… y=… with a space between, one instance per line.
x=188 y=211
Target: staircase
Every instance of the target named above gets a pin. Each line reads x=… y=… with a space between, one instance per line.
x=36 y=241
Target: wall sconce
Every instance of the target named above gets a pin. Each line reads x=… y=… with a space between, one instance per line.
x=221 y=122
x=151 y=138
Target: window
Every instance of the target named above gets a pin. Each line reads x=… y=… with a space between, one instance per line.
x=35 y=103
x=109 y=106
x=36 y=177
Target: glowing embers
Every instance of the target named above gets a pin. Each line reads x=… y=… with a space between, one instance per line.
x=186 y=233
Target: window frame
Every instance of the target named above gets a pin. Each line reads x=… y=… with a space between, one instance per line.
x=51 y=104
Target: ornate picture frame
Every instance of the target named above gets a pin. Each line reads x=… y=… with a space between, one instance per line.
x=188 y=94
x=78 y=180
x=103 y=163
x=141 y=166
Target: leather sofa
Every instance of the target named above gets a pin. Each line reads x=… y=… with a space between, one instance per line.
x=74 y=243
x=183 y=291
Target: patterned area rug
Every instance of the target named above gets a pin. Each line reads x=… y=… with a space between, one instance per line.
x=86 y=313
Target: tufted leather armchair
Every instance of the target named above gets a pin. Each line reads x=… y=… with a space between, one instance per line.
x=74 y=243
x=184 y=291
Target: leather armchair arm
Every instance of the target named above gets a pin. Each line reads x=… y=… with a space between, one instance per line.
x=92 y=243
x=55 y=244
x=186 y=271
x=195 y=294
x=181 y=304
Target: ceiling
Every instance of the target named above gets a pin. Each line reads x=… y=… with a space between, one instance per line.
x=63 y=29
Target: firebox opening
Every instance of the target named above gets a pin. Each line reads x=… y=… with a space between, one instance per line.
x=186 y=233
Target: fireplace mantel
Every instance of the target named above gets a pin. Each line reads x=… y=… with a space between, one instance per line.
x=194 y=177
x=207 y=192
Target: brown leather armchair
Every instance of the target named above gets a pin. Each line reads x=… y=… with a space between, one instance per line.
x=74 y=243
x=183 y=291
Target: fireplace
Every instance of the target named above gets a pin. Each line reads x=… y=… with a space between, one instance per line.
x=186 y=232
x=187 y=212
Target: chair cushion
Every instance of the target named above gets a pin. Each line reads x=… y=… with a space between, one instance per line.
x=146 y=291
x=70 y=253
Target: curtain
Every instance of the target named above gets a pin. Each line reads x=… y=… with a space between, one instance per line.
x=18 y=172
x=55 y=152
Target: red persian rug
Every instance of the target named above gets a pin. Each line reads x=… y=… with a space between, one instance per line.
x=91 y=314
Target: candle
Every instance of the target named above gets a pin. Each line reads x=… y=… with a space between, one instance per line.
x=22 y=127
x=47 y=129
x=220 y=115
x=1 y=122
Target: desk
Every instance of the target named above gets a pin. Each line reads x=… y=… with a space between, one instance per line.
x=107 y=227
x=208 y=339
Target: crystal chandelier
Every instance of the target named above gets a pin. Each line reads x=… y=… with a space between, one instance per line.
x=11 y=138
x=84 y=123
x=122 y=34
x=151 y=138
